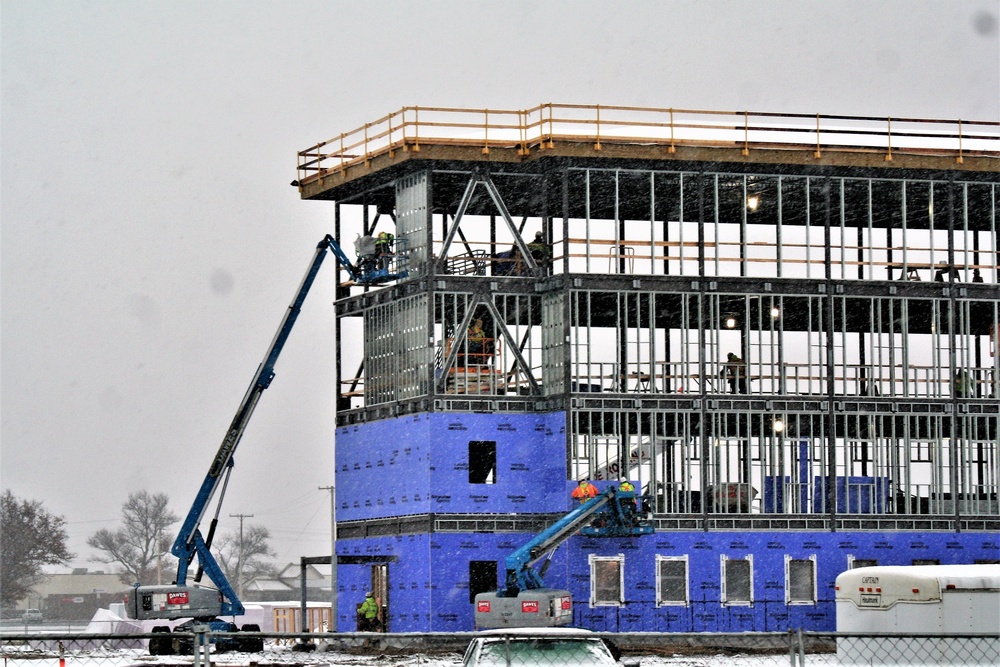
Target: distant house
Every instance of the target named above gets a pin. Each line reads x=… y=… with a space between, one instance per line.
x=75 y=595
x=262 y=589
x=286 y=585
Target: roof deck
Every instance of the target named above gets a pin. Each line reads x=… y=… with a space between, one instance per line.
x=503 y=136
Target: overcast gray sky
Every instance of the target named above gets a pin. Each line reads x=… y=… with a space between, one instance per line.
x=151 y=241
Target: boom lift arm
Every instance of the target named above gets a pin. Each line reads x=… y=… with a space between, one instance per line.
x=524 y=600
x=189 y=540
x=615 y=517
x=180 y=600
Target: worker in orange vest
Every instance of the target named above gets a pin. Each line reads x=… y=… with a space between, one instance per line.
x=584 y=491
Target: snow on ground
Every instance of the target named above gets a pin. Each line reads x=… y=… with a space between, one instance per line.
x=20 y=651
x=283 y=655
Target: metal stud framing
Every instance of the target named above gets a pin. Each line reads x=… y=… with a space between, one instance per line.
x=863 y=306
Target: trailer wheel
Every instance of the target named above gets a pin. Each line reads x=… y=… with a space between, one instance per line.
x=224 y=645
x=161 y=645
x=183 y=645
x=251 y=644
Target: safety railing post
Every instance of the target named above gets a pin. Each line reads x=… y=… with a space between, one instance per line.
x=673 y=148
x=486 y=131
x=392 y=153
x=367 y=159
x=746 y=133
x=416 y=129
x=960 y=159
x=551 y=144
x=522 y=131
x=343 y=164
x=597 y=146
x=888 y=139
x=818 y=153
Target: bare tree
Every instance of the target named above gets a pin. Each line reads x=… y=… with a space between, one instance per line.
x=29 y=538
x=143 y=536
x=242 y=555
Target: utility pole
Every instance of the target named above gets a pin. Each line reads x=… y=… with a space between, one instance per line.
x=239 y=557
x=159 y=555
x=333 y=555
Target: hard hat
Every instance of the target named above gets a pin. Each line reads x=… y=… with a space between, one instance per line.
x=538 y=236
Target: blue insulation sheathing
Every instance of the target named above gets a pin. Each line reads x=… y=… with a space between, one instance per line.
x=420 y=464
x=429 y=585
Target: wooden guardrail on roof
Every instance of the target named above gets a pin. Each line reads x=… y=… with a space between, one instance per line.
x=542 y=127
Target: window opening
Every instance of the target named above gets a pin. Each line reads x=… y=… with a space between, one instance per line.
x=482 y=461
x=607 y=580
x=671 y=580
x=854 y=563
x=737 y=580
x=800 y=580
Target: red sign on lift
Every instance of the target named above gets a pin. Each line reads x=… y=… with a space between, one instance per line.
x=529 y=607
x=179 y=597
x=483 y=606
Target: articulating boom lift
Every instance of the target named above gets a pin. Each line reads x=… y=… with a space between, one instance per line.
x=206 y=604
x=524 y=600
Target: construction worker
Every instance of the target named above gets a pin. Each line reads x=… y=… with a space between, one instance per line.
x=626 y=486
x=962 y=385
x=477 y=343
x=540 y=251
x=584 y=491
x=383 y=248
x=735 y=372
x=368 y=614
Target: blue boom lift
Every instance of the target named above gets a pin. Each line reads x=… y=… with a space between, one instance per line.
x=203 y=604
x=524 y=600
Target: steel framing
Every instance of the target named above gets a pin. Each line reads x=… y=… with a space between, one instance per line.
x=863 y=303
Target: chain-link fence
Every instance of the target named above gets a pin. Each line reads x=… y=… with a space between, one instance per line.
x=540 y=648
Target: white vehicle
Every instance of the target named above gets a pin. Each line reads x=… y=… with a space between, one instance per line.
x=919 y=599
x=531 y=647
x=32 y=616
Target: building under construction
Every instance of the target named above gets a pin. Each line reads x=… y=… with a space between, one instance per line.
x=781 y=328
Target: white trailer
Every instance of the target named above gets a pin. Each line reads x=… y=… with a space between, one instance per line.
x=957 y=600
